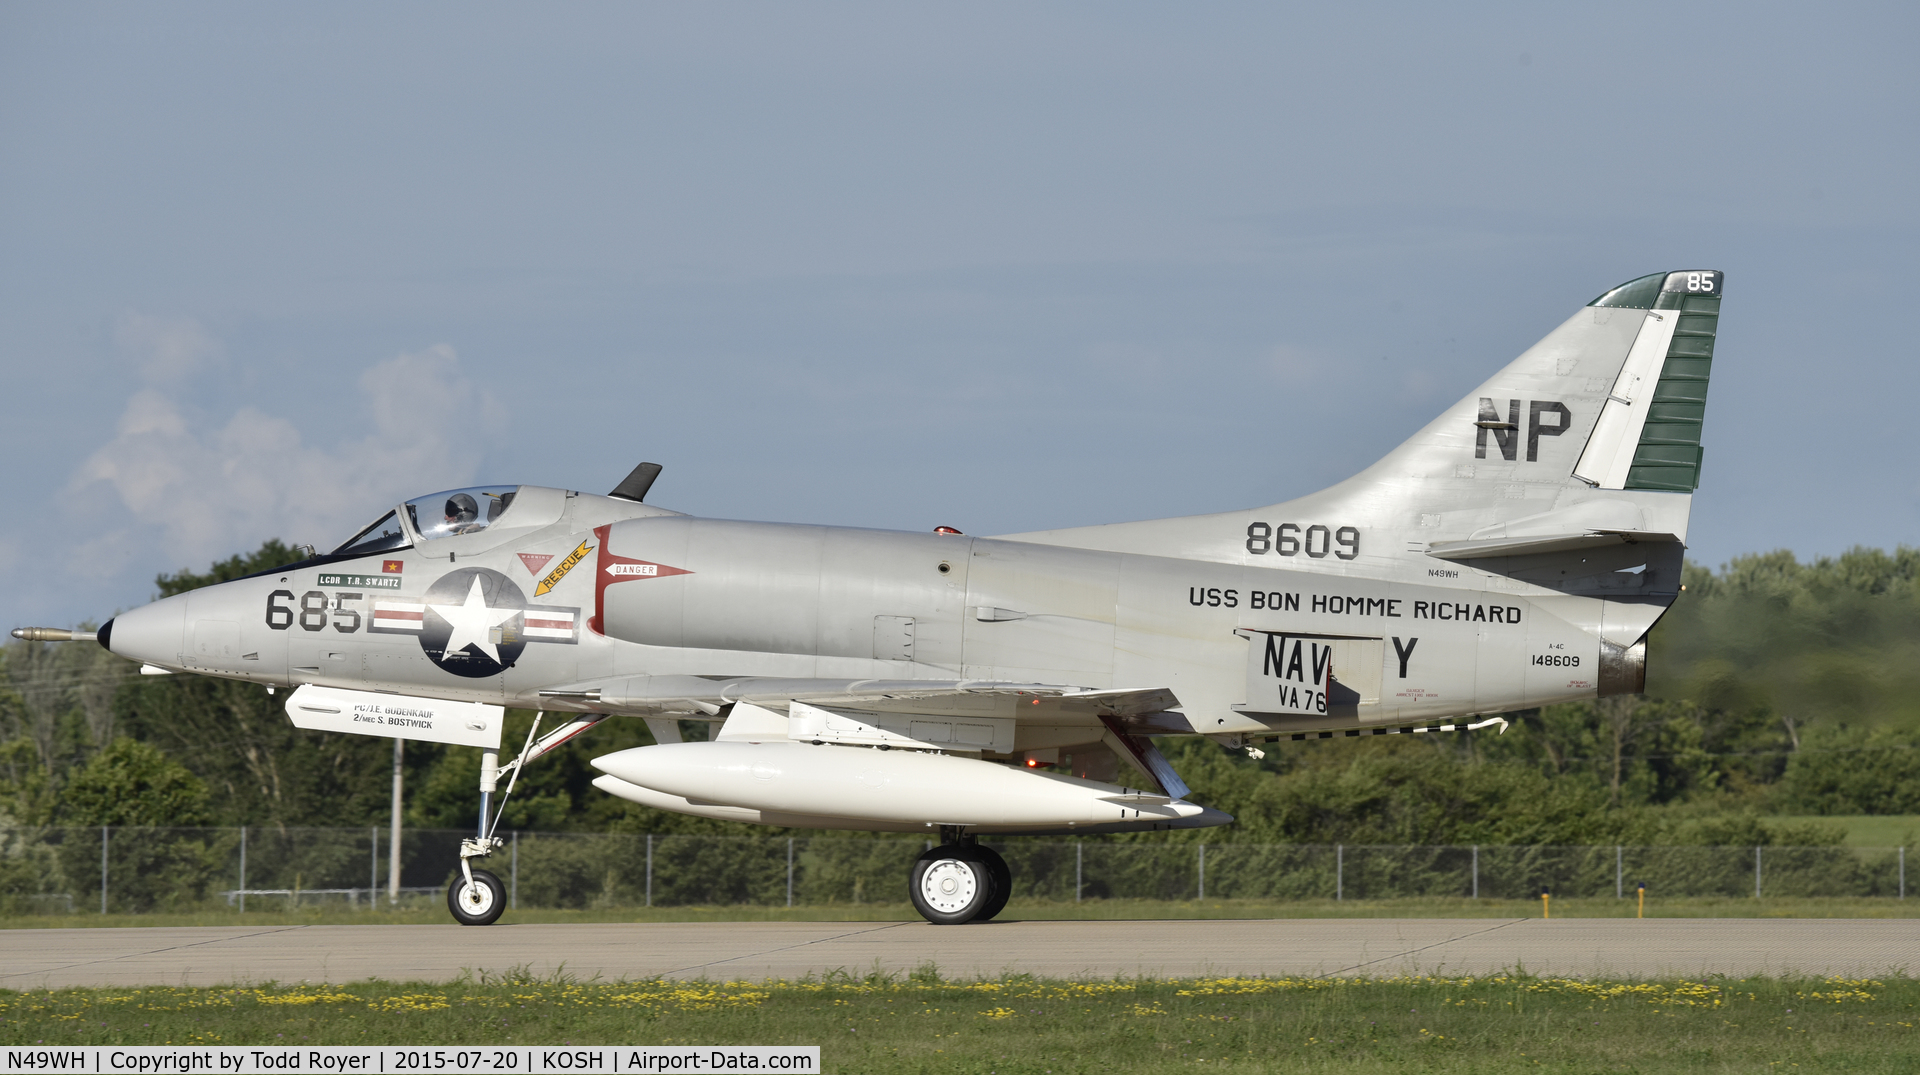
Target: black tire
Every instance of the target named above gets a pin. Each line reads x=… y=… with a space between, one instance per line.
x=479 y=905
x=950 y=885
x=1002 y=883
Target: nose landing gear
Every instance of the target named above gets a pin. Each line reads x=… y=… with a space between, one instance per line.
x=477 y=901
x=959 y=881
x=477 y=897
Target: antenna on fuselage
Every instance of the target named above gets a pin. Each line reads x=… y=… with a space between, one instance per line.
x=635 y=485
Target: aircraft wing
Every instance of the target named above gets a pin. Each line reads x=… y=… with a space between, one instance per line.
x=967 y=714
x=1144 y=710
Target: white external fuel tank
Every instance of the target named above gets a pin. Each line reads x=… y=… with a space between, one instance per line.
x=679 y=804
x=917 y=789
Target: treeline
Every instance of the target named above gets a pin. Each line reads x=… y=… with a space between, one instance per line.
x=1776 y=687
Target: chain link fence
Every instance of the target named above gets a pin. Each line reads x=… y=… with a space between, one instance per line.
x=135 y=870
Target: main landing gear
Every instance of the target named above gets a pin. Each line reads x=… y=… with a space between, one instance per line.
x=960 y=881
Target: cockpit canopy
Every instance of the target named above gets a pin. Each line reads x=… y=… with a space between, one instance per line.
x=437 y=515
x=459 y=511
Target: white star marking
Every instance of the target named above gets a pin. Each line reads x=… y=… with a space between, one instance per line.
x=471 y=622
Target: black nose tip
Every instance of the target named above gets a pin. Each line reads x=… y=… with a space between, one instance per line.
x=104 y=636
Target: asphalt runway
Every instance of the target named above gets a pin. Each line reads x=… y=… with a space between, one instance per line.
x=1689 y=947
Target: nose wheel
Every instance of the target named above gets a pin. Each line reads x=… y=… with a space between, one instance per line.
x=477 y=902
x=957 y=883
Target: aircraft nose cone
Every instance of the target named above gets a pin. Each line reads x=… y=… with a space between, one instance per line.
x=151 y=634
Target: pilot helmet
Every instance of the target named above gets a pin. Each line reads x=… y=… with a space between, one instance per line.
x=461 y=509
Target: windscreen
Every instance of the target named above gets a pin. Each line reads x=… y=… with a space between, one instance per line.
x=459 y=511
x=386 y=533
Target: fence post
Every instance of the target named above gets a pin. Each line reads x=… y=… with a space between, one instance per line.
x=1080 y=886
x=1903 y=873
x=1476 y=871
x=373 y=869
x=1619 y=884
x=789 y=871
x=1203 y=871
x=649 y=869
x=243 y=870
x=1756 y=871
x=103 y=869
x=1339 y=871
x=513 y=873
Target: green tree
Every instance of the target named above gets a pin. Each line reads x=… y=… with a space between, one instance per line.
x=1854 y=771
x=261 y=769
x=26 y=788
x=133 y=783
x=143 y=805
x=1797 y=645
x=273 y=553
x=56 y=710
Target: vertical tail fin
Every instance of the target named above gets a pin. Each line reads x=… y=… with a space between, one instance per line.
x=1594 y=428
x=1591 y=436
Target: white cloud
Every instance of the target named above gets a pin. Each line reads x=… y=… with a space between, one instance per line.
x=206 y=493
x=166 y=348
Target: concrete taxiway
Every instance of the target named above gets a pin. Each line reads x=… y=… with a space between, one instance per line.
x=43 y=958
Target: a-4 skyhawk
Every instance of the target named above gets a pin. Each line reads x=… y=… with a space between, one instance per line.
x=1513 y=553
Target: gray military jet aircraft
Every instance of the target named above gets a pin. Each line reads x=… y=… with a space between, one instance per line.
x=1514 y=553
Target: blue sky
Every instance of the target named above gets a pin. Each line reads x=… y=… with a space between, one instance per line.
x=267 y=269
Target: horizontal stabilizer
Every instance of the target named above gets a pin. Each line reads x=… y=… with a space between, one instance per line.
x=1539 y=543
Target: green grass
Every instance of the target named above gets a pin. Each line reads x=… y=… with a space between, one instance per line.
x=1019 y=1025
x=1867 y=830
x=433 y=912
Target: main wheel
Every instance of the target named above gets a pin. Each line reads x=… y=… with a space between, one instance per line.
x=950 y=885
x=1002 y=882
x=479 y=903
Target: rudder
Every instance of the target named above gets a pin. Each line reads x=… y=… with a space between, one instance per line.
x=1648 y=435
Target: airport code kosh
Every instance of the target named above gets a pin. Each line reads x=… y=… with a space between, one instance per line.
x=361 y=1060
